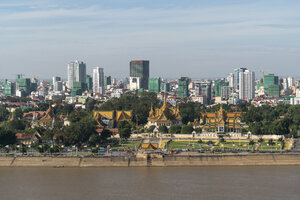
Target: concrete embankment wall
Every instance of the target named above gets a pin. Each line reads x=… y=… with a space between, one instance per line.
x=154 y=161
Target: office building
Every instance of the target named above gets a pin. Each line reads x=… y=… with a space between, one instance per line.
x=76 y=73
x=107 y=81
x=290 y=81
x=154 y=85
x=89 y=82
x=98 y=80
x=57 y=84
x=203 y=88
x=271 y=85
x=218 y=84
x=183 y=87
x=134 y=83
x=165 y=87
x=230 y=80
x=237 y=77
x=140 y=69
x=246 y=85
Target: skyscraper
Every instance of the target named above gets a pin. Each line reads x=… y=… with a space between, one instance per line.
x=230 y=79
x=183 y=87
x=271 y=85
x=140 y=68
x=204 y=88
x=237 y=77
x=98 y=80
x=154 y=85
x=57 y=84
x=76 y=73
x=246 y=85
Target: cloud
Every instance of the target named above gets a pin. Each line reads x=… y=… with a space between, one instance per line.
x=201 y=34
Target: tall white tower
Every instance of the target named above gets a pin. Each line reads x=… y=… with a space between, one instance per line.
x=246 y=85
x=98 y=80
x=76 y=72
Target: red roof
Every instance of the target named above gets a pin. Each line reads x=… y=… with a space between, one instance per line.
x=24 y=136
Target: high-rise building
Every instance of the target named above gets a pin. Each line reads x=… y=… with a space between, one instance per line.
x=204 y=88
x=78 y=88
x=226 y=92
x=183 y=87
x=246 y=85
x=140 y=68
x=154 y=85
x=218 y=87
x=57 y=84
x=76 y=73
x=107 y=81
x=23 y=84
x=9 y=88
x=98 y=80
x=165 y=87
x=290 y=81
x=230 y=80
x=237 y=77
x=271 y=85
x=89 y=82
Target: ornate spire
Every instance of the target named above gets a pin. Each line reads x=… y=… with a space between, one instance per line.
x=165 y=99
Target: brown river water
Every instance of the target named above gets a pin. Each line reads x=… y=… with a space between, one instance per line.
x=209 y=183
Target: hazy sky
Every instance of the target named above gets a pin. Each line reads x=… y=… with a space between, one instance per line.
x=195 y=38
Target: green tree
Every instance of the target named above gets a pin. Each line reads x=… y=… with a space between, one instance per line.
x=18 y=113
x=3 y=114
x=77 y=116
x=175 y=129
x=163 y=129
x=151 y=129
x=124 y=129
x=7 y=137
x=188 y=129
x=78 y=133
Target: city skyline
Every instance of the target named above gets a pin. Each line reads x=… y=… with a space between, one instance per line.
x=193 y=37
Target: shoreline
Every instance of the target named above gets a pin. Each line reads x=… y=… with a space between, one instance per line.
x=155 y=160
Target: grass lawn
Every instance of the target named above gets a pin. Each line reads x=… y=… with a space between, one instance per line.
x=193 y=144
x=131 y=144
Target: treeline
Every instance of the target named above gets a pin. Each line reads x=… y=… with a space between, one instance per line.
x=283 y=119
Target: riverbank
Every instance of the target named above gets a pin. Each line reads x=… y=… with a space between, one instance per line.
x=153 y=160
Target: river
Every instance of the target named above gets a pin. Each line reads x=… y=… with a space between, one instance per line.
x=211 y=183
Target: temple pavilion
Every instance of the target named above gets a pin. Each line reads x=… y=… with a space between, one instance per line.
x=111 y=118
x=164 y=116
x=222 y=121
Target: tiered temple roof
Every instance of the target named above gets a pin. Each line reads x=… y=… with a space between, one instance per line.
x=221 y=121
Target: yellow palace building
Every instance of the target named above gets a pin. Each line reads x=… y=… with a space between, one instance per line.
x=164 y=116
x=111 y=118
x=222 y=121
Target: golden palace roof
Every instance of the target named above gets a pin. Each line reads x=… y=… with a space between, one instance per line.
x=164 y=114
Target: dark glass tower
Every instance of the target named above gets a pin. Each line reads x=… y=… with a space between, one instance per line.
x=140 y=68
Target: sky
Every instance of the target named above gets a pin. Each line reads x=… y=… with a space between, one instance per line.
x=194 y=38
